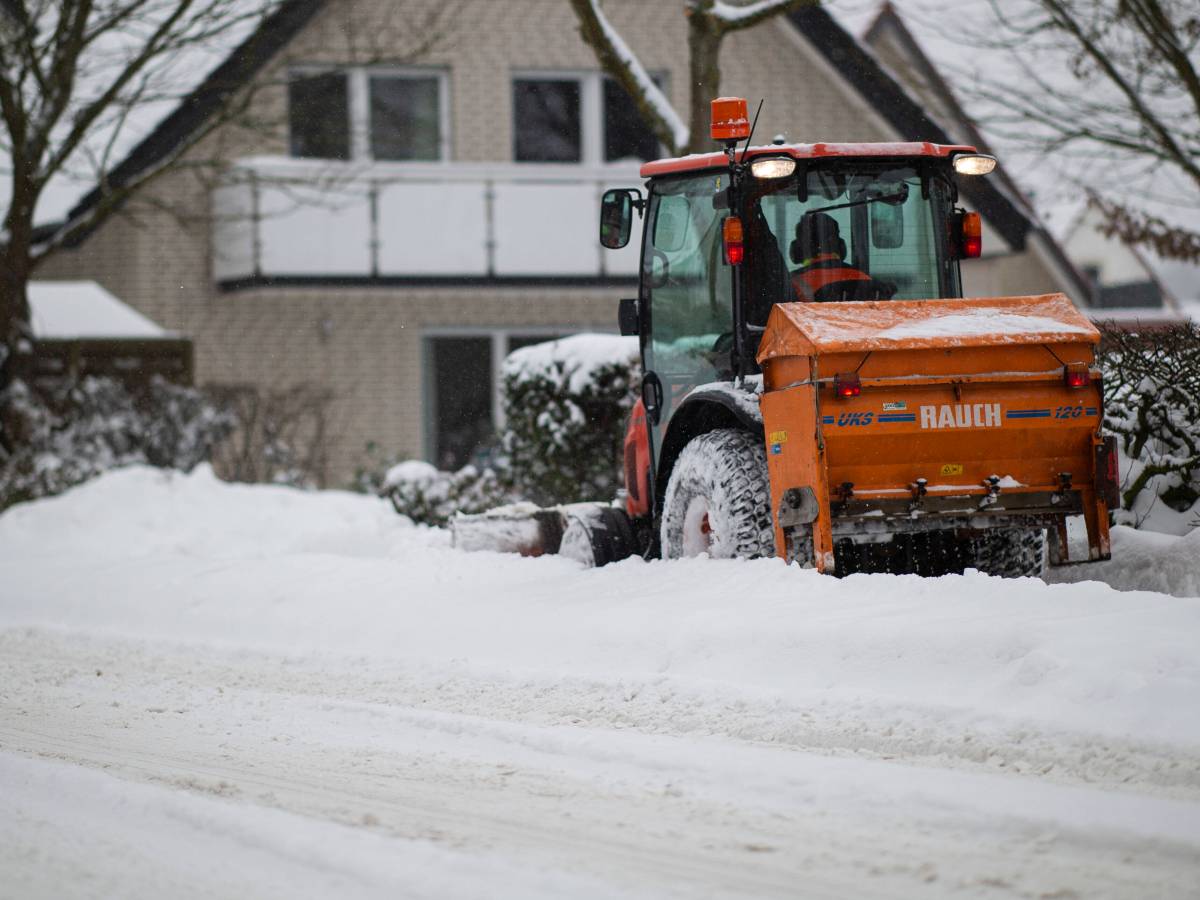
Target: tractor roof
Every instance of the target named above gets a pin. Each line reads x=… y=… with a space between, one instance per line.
x=698 y=161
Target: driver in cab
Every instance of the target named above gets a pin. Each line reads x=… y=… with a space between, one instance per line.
x=820 y=251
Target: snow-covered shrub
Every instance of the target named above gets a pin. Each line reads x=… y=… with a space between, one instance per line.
x=565 y=404
x=418 y=490
x=1152 y=405
x=61 y=435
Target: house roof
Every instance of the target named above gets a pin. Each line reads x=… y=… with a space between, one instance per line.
x=860 y=69
x=247 y=59
x=72 y=310
x=1000 y=195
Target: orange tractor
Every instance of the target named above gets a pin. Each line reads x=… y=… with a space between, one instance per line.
x=815 y=386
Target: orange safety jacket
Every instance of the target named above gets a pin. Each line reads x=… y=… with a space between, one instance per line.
x=824 y=269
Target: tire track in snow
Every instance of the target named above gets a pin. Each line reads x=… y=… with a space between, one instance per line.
x=663 y=705
x=268 y=731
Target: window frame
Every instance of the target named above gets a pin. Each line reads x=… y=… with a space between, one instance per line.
x=358 y=88
x=500 y=337
x=591 y=112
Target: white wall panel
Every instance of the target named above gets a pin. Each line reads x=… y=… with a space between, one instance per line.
x=547 y=229
x=433 y=229
x=309 y=232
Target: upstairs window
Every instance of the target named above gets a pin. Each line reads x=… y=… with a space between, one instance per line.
x=625 y=135
x=584 y=118
x=405 y=117
x=548 y=120
x=319 y=115
x=368 y=114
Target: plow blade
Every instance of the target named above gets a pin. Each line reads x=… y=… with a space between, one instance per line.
x=594 y=534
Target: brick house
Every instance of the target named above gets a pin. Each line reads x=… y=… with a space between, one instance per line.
x=413 y=223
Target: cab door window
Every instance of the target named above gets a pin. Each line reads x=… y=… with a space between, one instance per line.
x=688 y=281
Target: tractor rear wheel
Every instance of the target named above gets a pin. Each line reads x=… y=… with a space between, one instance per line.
x=1011 y=553
x=718 y=499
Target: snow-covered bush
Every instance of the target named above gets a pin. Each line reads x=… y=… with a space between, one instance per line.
x=1152 y=405
x=418 y=490
x=61 y=435
x=565 y=404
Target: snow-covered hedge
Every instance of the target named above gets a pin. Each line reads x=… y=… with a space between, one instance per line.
x=565 y=404
x=55 y=438
x=424 y=494
x=1152 y=405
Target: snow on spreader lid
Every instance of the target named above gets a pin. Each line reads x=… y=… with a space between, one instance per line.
x=70 y=310
x=801 y=329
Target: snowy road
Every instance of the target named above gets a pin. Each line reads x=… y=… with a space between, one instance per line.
x=292 y=695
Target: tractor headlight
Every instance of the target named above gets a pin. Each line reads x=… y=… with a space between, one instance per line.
x=773 y=167
x=974 y=163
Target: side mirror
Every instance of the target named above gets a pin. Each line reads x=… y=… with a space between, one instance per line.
x=616 y=219
x=627 y=317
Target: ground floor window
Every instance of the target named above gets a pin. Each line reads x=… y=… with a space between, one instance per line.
x=463 y=399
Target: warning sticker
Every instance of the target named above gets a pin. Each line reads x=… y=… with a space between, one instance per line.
x=777 y=437
x=952 y=469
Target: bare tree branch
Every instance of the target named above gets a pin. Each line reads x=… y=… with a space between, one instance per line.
x=709 y=21
x=619 y=61
x=1138 y=229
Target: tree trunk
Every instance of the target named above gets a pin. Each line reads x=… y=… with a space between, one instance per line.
x=704 y=48
x=16 y=266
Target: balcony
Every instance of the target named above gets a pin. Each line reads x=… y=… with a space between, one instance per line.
x=294 y=221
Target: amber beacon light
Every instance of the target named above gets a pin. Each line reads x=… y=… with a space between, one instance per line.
x=730 y=119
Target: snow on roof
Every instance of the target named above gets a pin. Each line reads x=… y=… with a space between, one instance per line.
x=66 y=310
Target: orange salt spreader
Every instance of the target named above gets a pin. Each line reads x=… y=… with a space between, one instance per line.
x=979 y=418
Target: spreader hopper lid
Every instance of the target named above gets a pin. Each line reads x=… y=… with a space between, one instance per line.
x=807 y=329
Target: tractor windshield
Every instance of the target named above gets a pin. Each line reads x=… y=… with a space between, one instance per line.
x=838 y=233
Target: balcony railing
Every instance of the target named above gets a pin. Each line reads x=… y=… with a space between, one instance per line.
x=295 y=219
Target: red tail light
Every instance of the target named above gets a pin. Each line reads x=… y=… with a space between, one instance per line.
x=972 y=235
x=735 y=248
x=847 y=385
x=1078 y=377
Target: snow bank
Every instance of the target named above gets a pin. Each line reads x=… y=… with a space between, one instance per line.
x=1143 y=560
x=140 y=514
x=188 y=558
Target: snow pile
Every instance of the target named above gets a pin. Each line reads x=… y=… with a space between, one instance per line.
x=566 y=403
x=1143 y=560
x=142 y=514
x=193 y=559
